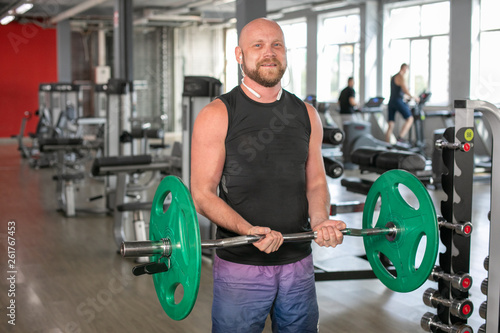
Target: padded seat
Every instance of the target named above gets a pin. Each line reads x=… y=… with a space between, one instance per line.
x=59 y=142
x=381 y=160
x=69 y=176
x=119 y=161
x=135 y=206
x=365 y=156
x=404 y=160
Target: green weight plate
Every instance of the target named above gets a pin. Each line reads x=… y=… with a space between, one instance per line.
x=413 y=224
x=180 y=225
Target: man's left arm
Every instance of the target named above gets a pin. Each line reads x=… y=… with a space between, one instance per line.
x=352 y=99
x=317 y=192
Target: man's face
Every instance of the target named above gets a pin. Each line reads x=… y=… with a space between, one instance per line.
x=263 y=53
x=266 y=72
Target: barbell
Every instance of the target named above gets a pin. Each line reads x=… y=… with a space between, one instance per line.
x=175 y=245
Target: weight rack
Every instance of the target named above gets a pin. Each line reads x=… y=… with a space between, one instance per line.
x=458 y=159
x=492 y=115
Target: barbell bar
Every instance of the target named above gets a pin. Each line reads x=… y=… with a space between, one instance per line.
x=396 y=234
x=163 y=247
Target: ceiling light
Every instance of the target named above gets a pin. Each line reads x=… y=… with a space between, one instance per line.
x=294 y=9
x=275 y=16
x=326 y=6
x=7 y=19
x=24 y=8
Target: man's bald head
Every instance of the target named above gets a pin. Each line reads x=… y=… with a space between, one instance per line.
x=258 y=27
x=261 y=52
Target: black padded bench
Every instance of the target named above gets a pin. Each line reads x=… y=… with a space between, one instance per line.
x=105 y=166
x=122 y=167
x=69 y=176
x=53 y=144
x=380 y=161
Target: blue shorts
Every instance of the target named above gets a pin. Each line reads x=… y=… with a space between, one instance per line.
x=244 y=295
x=397 y=105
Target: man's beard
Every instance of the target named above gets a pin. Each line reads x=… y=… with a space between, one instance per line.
x=270 y=79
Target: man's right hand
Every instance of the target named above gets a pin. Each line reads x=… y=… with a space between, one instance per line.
x=270 y=243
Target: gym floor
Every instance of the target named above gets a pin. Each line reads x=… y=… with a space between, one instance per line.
x=69 y=277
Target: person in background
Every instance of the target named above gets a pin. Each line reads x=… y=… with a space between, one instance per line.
x=397 y=104
x=347 y=101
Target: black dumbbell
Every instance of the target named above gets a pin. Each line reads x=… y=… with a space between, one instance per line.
x=462 y=282
x=486 y=262
x=484 y=286
x=464 y=229
x=458 y=308
x=483 y=309
x=332 y=135
x=430 y=321
x=333 y=168
x=482 y=329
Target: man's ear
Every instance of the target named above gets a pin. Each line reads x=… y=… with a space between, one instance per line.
x=239 y=55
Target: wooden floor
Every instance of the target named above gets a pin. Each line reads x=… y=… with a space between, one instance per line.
x=71 y=279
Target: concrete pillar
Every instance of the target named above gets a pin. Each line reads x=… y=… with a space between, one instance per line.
x=460 y=48
x=64 y=73
x=312 y=55
x=368 y=72
x=246 y=11
x=123 y=36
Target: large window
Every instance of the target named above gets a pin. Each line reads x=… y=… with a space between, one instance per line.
x=232 y=68
x=294 y=79
x=338 y=54
x=487 y=85
x=419 y=36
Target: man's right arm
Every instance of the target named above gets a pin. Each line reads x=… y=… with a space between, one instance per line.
x=207 y=163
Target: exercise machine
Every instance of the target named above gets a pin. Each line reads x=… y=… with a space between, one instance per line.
x=359 y=134
x=129 y=188
x=333 y=137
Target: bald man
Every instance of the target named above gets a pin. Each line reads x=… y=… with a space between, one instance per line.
x=257 y=169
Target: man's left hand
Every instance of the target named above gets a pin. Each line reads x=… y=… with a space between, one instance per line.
x=329 y=234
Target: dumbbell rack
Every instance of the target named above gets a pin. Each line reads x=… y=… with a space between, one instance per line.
x=456 y=209
x=492 y=115
x=457 y=183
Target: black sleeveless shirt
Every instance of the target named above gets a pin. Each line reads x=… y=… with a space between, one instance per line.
x=264 y=175
x=396 y=91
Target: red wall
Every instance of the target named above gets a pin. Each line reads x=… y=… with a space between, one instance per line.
x=28 y=57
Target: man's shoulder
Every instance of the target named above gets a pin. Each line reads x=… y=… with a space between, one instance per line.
x=346 y=92
x=230 y=94
x=215 y=109
x=343 y=92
